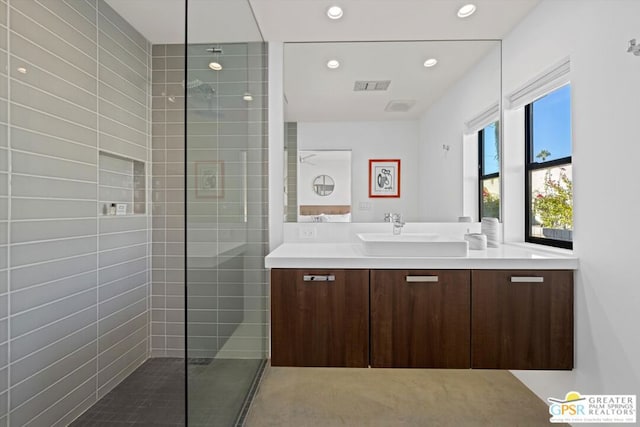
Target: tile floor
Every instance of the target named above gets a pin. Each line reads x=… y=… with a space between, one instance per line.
x=154 y=394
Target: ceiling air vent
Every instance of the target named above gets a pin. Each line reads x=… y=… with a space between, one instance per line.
x=371 y=85
x=399 y=106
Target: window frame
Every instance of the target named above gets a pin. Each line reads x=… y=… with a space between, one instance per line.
x=481 y=175
x=529 y=167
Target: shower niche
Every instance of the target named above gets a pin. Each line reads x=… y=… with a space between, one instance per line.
x=121 y=184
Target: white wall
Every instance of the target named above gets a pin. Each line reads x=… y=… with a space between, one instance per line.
x=441 y=173
x=371 y=140
x=605 y=84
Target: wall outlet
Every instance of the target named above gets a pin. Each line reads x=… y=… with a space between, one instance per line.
x=308 y=232
x=364 y=206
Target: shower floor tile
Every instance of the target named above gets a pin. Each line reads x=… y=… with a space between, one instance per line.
x=154 y=394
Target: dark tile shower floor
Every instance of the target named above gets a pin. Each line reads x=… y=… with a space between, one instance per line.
x=154 y=394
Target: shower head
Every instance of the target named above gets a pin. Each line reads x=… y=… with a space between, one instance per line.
x=192 y=84
x=197 y=87
x=215 y=65
x=303 y=159
x=633 y=47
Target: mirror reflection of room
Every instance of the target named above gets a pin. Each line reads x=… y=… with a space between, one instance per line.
x=424 y=105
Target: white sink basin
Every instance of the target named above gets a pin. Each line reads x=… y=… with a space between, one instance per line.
x=412 y=245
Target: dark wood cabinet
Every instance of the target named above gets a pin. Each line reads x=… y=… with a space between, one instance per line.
x=522 y=319
x=490 y=319
x=320 y=317
x=420 y=318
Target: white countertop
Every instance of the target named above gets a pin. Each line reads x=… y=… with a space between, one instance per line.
x=351 y=255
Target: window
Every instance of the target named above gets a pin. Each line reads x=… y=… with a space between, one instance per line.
x=489 y=171
x=548 y=175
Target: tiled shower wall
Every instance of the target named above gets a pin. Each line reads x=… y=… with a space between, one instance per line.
x=167 y=291
x=74 y=81
x=226 y=220
x=291 y=176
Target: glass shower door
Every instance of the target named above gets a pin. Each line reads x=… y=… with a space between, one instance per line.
x=225 y=213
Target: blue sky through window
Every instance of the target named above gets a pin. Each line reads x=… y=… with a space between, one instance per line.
x=491 y=161
x=552 y=125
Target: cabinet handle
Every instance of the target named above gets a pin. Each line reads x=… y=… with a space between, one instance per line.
x=527 y=279
x=319 y=278
x=421 y=279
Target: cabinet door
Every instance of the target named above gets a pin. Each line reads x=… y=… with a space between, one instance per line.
x=522 y=319
x=420 y=318
x=318 y=322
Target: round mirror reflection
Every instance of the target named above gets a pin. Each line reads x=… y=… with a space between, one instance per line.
x=323 y=185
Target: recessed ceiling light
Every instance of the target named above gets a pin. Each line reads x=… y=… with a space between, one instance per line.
x=333 y=64
x=22 y=70
x=334 y=12
x=466 y=10
x=215 y=66
x=247 y=96
x=430 y=62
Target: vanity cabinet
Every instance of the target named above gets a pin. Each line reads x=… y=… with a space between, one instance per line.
x=320 y=317
x=489 y=319
x=522 y=319
x=420 y=318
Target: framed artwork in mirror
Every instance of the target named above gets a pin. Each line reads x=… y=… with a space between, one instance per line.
x=209 y=179
x=384 y=177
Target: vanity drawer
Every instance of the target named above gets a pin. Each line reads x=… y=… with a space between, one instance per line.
x=522 y=319
x=420 y=318
x=319 y=317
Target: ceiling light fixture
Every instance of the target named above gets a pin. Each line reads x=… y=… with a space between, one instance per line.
x=430 y=62
x=215 y=66
x=335 y=12
x=22 y=70
x=247 y=96
x=333 y=64
x=466 y=10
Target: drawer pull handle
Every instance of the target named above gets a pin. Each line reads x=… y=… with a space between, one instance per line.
x=524 y=279
x=421 y=279
x=319 y=278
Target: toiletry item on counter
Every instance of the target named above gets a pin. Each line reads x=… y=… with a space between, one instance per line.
x=477 y=241
x=490 y=227
x=112 y=209
x=464 y=219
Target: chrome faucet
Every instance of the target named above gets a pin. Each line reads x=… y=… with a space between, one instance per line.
x=398 y=223
x=388 y=216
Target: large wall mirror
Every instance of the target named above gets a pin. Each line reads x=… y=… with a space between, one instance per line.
x=431 y=105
